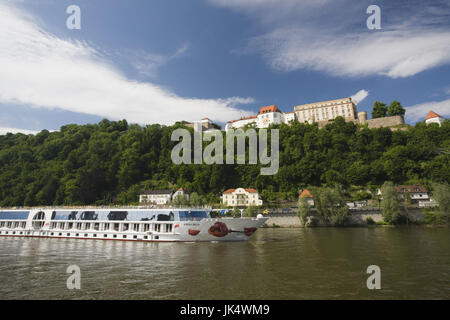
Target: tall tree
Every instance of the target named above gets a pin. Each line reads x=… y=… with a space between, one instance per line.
x=396 y=109
x=304 y=210
x=379 y=110
x=441 y=193
x=390 y=205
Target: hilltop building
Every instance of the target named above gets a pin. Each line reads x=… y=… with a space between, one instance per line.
x=433 y=117
x=266 y=116
x=318 y=112
x=326 y=110
x=206 y=125
x=241 y=197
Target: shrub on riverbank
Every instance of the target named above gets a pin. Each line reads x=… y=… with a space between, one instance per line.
x=390 y=205
x=330 y=204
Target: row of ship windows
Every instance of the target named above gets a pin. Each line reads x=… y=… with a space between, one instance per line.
x=86 y=235
x=137 y=227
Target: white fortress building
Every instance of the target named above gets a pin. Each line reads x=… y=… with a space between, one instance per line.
x=326 y=110
x=322 y=113
x=267 y=115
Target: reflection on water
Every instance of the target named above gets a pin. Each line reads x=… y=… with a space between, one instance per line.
x=323 y=263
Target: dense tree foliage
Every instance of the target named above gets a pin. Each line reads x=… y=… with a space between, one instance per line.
x=330 y=204
x=441 y=193
x=396 y=109
x=112 y=161
x=379 y=110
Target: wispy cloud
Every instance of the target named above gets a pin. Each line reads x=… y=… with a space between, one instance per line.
x=147 y=63
x=360 y=95
x=5 y=130
x=42 y=70
x=418 y=112
x=321 y=36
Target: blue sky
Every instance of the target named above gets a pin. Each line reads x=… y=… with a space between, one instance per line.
x=162 y=61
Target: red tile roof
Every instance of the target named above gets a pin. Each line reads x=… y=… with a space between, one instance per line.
x=250 y=190
x=247 y=118
x=432 y=114
x=267 y=109
x=305 y=194
x=229 y=191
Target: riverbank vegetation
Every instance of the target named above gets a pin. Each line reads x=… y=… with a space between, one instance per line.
x=112 y=162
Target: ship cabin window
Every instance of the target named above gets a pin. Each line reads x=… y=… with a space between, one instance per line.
x=88 y=226
x=105 y=236
x=85 y=235
x=95 y=235
x=96 y=226
x=106 y=226
x=145 y=237
x=17 y=224
x=136 y=227
x=114 y=235
x=134 y=237
x=70 y=225
x=76 y=235
x=2 y=224
x=116 y=226
x=125 y=226
x=8 y=225
x=60 y=234
x=78 y=226
x=146 y=227
x=23 y=224
x=158 y=227
x=68 y=234
x=168 y=228
x=124 y=236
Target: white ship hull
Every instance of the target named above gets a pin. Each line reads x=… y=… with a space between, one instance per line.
x=53 y=223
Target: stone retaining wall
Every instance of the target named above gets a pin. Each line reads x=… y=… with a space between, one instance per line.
x=356 y=218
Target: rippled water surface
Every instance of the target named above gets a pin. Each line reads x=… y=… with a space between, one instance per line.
x=322 y=263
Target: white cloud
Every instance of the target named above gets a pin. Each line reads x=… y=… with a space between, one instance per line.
x=42 y=70
x=5 y=130
x=397 y=53
x=315 y=35
x=418 y=112
x=360 y=96
x=147 y=63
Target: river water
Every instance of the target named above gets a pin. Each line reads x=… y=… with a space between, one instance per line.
x=320 y=263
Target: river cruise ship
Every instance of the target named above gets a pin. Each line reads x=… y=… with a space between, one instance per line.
x=127 y=224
